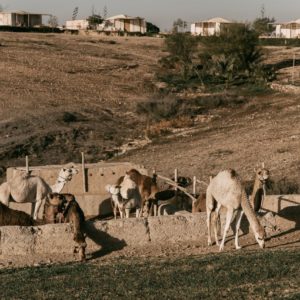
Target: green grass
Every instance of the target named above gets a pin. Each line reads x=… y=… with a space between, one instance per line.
x=242 y=275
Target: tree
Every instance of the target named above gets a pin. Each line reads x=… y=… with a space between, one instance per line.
x=53 y=21
x=94 y=20
x=181 y=48
x=233 y=56
x=263 y=25
x=151 y=28
x=179 y=25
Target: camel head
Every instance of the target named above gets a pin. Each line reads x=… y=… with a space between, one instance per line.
x=262 y=174
x=260 y=236
x=112 y=189
x=56 y=199
x=66 y=174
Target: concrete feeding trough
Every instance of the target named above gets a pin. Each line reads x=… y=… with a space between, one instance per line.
x=88 y=185
x=285 y=207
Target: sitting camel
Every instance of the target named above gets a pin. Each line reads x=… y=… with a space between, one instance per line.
x=24 y=187
x=10 y=217
x=227 y=190
x=65 y=208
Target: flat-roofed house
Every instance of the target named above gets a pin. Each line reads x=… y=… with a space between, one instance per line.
x=21 y=18
x=288 y=30
x=124 y=23
x=210 y=27
x=77 y=24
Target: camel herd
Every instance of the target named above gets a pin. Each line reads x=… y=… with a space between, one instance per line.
x=132 y=191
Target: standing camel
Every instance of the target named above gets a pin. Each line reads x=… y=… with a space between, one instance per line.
x=147 y=187
x=260 y=183
x=227 y=190
x=24 y=187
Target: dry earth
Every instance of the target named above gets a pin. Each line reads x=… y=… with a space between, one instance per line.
x=61 y=95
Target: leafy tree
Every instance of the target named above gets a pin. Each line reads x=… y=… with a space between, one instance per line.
x=181 y=48
x=151 y=28
x=179 y=25
x=233 y=56
x=263 y=24
x=94 y=20
x=53 y=21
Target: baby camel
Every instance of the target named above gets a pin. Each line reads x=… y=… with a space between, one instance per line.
x=227 y=190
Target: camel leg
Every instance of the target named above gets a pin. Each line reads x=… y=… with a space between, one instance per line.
x=115 y=212
x=229 y=215
x=137 y=212
x=209 y=208
x=127 y=211
x=237 y=228
x=37 y=208
x=216 y=220
x=33 y=205
x=208 y=220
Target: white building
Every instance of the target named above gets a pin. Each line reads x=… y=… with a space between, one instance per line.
x=209 y=27
x=77 y=24
x=124 y=23
x=21 y=18
x=288 y=30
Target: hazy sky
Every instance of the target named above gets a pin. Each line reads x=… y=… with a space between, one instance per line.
x=163 y=12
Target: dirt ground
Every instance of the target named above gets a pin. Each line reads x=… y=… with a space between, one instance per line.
x=61 y=95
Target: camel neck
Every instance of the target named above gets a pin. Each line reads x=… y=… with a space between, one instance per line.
x=249 y=212
x=57 y=187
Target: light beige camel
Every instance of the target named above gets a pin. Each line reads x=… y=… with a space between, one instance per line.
x=24 y=187
x=227 y=190
x=259 y=187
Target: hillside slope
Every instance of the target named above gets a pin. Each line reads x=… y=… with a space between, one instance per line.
x=61 y=95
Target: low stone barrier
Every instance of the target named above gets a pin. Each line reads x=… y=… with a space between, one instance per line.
x=286 y=208
x=58 y=238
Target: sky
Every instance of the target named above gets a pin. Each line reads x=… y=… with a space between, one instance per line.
x=163 y=12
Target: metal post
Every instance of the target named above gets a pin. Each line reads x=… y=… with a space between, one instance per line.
x=83 y=172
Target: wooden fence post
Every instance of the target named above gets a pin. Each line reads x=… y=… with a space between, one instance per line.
x=83 y=172
x=27 y=164
x=194 y=185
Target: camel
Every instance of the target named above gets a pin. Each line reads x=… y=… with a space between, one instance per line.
x=116 y=199
x=68 y=207
x=131 y=196
x=147 y=187
x=260 y=183
x=10 y=217
x=226 y=190
x=24 y=187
